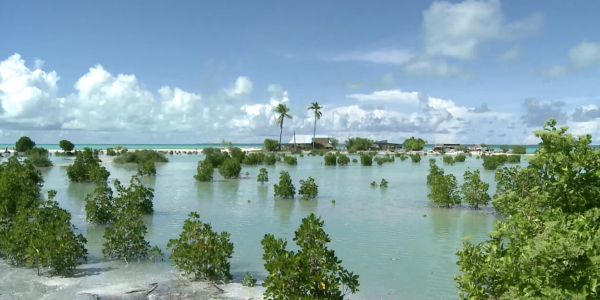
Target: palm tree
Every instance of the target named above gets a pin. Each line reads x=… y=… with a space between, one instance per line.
x=284 y=112
x=315 y=106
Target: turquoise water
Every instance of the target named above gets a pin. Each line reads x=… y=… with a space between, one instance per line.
x=530 y=148
x=401 y=247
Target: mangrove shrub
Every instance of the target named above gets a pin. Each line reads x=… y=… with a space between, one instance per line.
x=24 y=143
x=414 y=144
x=330 y=159
x=474 y=190
x=86 y=168
x=343 y=160
x=444 y=191
x=271 y=145
x=308 y=188
x=205 y=171
x=231 y=168
x=263 y=176
x=366 y=159
x=285 y=188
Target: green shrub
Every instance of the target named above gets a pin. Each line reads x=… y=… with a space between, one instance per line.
x=291 y=160
x=366 y=160
x=66 y=146
x=330 y=159
x=359 y=144
x=146 y=168
x=448 y=160
x=296 y=151
x=263 y=176
x=285 y=188
x=415 y=157
x=460 y=158
x=270 y=159
x=403 y=157
x=237 y=153
x=354 y=160
x=248 y=281
x=312 y=270
x=373 y=184
x=516 y=149
x=140 y=156
x=24 y=143
x=414 y=144
x=444 y=191
x=205 y=171
x=231 y=168
x=308 y=188
x=39 y=160
x=475 y=191
x=86 y=168
x=504 y=148
x=434 y=171
x=254 y=158
x=513 y=159
x=384 y=183
x=492 y=162
x=170 y=152
x=215 y=156
x=99 y=205
x=36 y=151
x=112 y=152
x=202 y=252
x=271 y=145
x=343 y=160
x=43 y=237
x=20 y=185
x=378 y=160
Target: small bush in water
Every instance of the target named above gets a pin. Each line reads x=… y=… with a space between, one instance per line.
x=263 y=176
x=285 y=188
x=308 y=188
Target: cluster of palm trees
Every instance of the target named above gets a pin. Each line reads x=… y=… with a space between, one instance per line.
x=284 y=112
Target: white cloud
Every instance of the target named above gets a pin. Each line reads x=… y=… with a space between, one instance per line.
x=459 y=30
x=427 y=67
x=396 y=57
x=581 y=56
x=584 y=55
x=242 y=87
x=396 y=96
x=510 y=55
x=38 y=64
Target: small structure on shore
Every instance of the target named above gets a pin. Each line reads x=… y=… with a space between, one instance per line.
x=305 y=141
x=445 y=147
x=385 y=146
x=476 y=147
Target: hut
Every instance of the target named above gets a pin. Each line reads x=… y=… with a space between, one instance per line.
x=385 y=145
x=305 y=141
x=445 y=147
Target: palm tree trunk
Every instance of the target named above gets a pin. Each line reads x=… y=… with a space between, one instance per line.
x=280 y=133
x=314 y=131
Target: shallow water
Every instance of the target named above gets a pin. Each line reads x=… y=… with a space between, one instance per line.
x=400 y=246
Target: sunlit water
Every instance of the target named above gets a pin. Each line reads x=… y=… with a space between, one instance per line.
x=401 y=247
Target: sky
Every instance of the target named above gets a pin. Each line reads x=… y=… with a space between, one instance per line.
x=473 y=71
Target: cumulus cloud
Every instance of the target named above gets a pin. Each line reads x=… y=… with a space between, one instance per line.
x=586 y=113
x=510 y=55
x=396 y=96
x=482 y=109
x=459 y=30
x=427 y=67
x=536 y=113
x=581 y=56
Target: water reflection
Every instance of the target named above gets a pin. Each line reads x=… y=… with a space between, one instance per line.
x=205 y=191
x=284 y=208
x=77 y=191
x=308 y=206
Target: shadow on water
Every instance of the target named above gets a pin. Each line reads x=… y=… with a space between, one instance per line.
x=443 y=222
x=77 y=191
x=148 y=181
x=205 y=190
x=284 y=208
x=308 y=206
x=262 y=191
x=91 y=271
x=228 y=189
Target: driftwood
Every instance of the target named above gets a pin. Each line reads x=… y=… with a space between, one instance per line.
x=151 y=288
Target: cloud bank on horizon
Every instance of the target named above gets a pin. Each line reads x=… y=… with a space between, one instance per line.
x=118 y=108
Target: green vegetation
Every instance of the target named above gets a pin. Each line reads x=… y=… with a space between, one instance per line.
x=284 y=112
x=308 y=188
x=516 y=149
x=513 y=159
x=317 y=110
x=384 y=183
x=140 y=156
x=312 y=272
x=112 y=152
x=66 y=146
x=86 y=168
x=285 y=188
x=354 y=160
x=248 y=281
x=373 y=184
x=447 y=159
x=380 y=160
x=464 y=149
x=414 y=144
x=444 y=191
x=475 y=191
x=343 y=160
x=460 y=158
x=366 y=160
x=254 y=158
x=24 y=143
x=270 y=145
x=270 y=159
x=237 y=153
x=330 y=159
x=434 y=171
x=214 y=156
x=99 y=205
x=263 y=176
x=504 y=148
x=334 y=142
x=415 y=157
x=201 y=251
x=230 y=168
x=291 y=160
x=547 y=247
x=146 y=168
x=492 y=162
x=204 y=171
x=359 y=144
x=38 y=157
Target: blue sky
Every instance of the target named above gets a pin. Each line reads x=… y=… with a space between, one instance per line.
x=203 y=71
